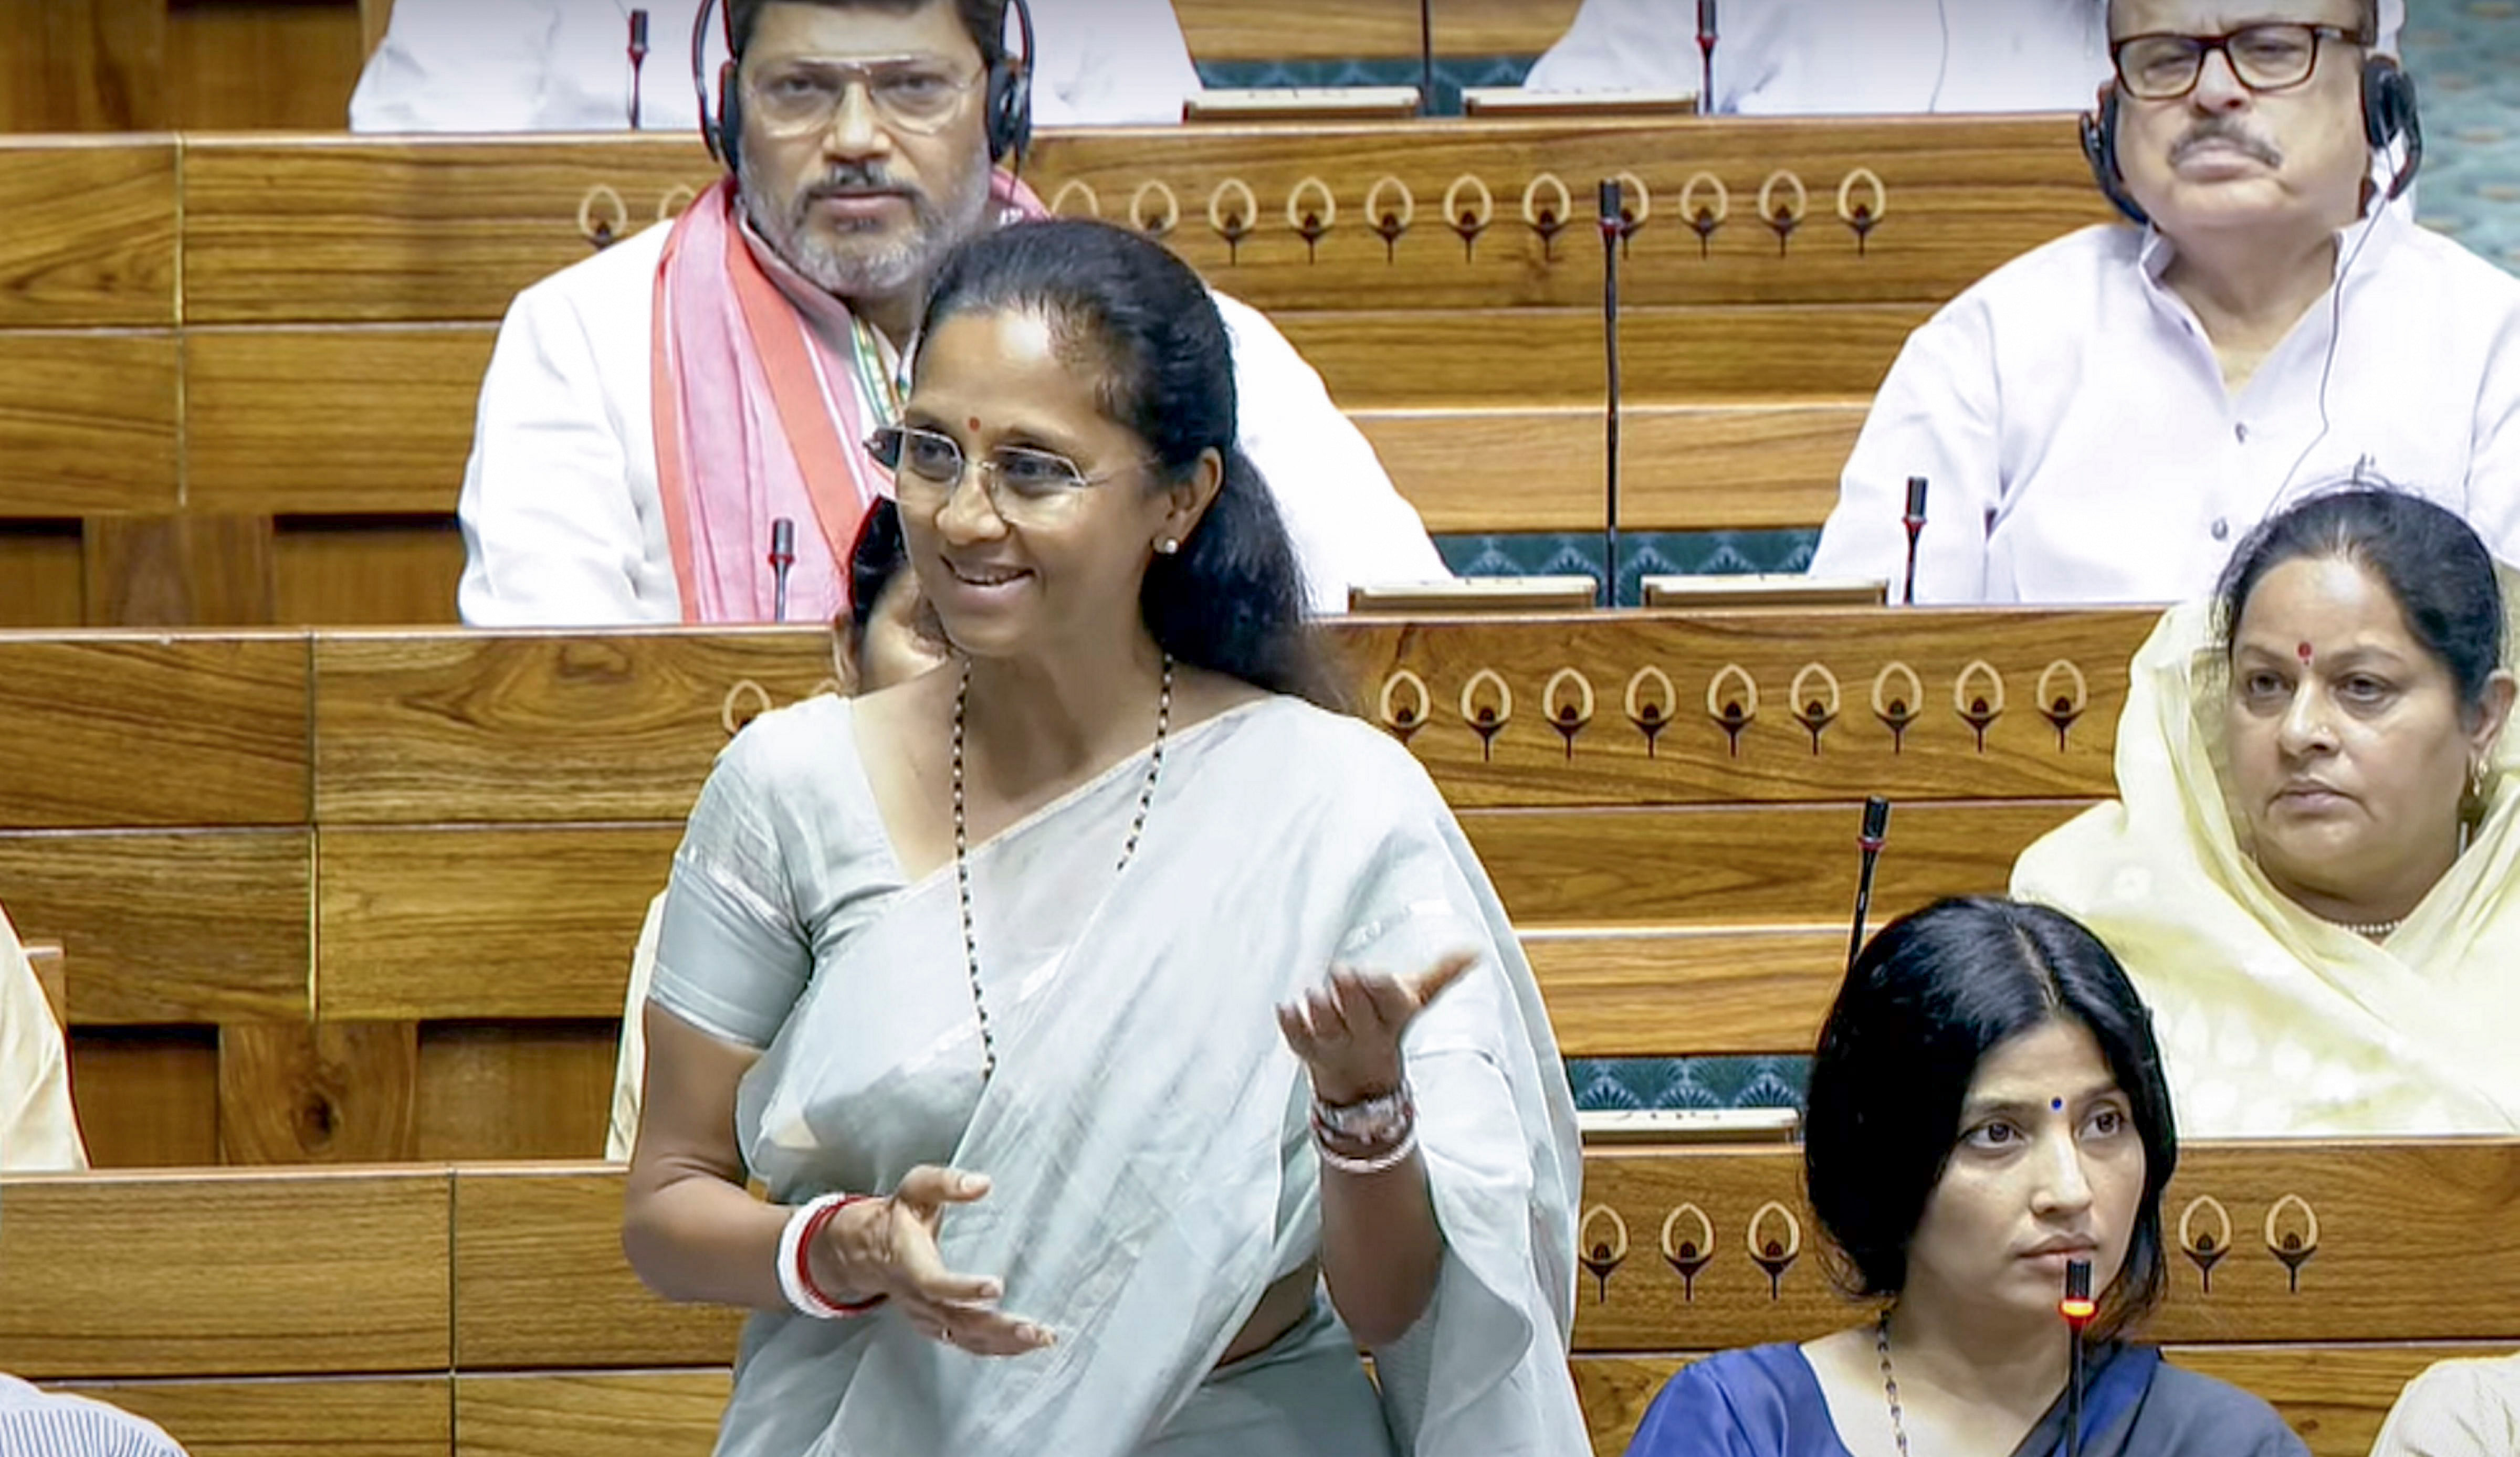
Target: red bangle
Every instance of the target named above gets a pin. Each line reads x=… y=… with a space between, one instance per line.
x=815 y=1223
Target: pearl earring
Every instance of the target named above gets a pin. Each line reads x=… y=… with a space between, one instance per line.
x=1167 y=545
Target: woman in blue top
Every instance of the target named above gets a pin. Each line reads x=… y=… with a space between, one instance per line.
x=1987 y=1104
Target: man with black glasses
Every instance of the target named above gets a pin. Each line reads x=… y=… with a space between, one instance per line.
x=2103 y=418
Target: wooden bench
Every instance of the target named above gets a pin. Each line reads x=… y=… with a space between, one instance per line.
x=486 y=1308
x=255 y=407
x=392 y=880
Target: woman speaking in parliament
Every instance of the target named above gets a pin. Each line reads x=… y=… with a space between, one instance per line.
x=2310 y=869
x=1985 y=1105
x=1090 y=1005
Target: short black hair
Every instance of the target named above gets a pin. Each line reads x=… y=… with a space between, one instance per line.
x=2433 y=565
x=984 y=19
x=1928 y=999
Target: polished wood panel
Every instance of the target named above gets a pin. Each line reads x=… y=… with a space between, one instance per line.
x=219 y=723
x=1369 y=215
x=83 y=66
x=1667 y=707
x=351 y=229
x=2334 y=1397
x=1417 y=359
x=148 y=1097
x=1757 y=988
x=91 y=236
x=1682 y=467
x=213 y=1275
x=594 y=1414
x=1321 y=31
x=538 y=1089
x=400 y=1416
x=263 y=65
x=41 y=575
x=540 y=1279
x=313 y=421
x=432 y=229
x=446 y=726
x=2399 y=1241
x=1497 y=27
x=44 y=960
x=191 y=569
x=409 y=919
x=385 y=571
x=318 y=1092
x=1724 y=865
x=87 y=424
x=200 y=926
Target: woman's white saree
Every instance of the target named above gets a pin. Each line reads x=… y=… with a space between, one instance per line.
x=2274 y=1021
x=1144 y=1129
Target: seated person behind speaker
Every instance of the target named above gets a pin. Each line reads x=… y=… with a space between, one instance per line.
x=2310 y=869
x=2104 y=417
x=887 y=636
x=1986 y=1104
x=1113 y=1002
x=2464 y=1408
x=649 y=412
x=38 y=1127
x=563 y=65
x=1786 y=57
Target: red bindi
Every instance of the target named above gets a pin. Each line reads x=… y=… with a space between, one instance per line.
x=2304 y=653
x=974 y=423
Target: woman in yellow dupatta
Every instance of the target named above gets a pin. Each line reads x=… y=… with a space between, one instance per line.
x=2309 y=872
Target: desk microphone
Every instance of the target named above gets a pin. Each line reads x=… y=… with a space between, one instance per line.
x=638 y=59
x=2078 y=1307
x=1877 y=832
x=783 y=555
x=1613 y=230
x=1914 y=519
x=1706 y=35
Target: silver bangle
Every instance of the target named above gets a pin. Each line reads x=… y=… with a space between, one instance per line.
x=1380 y=1162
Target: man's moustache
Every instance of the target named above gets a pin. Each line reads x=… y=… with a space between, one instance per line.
x=2211 y=134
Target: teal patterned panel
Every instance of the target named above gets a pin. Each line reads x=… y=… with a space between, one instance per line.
x=1604 y=1083
x=2465 y=58
x=1451 y=73
x=1641 y=555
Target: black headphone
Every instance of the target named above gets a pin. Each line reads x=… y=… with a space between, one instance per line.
x=2389 y=117
x=1009 y=117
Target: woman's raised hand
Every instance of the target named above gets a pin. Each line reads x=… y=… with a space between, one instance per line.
x=891 y=1250
x=1348 y=1030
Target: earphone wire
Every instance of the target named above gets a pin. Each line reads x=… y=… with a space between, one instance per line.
x=1942 y=65
x=2335 y=336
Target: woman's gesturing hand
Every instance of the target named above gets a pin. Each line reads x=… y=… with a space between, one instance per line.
x=890 y=1250
x=1348 y=1030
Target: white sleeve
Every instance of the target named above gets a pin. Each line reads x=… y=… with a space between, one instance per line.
x=551 y=538
x=456 y=65
x=1349 y=523
x=2451 y=1410
x=1622 y=45
x=2494 y=459
x=1109 y=62
x=1936 y=416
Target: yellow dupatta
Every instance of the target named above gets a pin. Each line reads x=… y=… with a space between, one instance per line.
x=2274 y=1021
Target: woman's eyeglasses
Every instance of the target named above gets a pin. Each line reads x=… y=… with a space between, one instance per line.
x=1025 y=486
x=2266 y=58
x=799 y=98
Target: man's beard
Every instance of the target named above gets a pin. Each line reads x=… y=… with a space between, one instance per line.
x=855 y=264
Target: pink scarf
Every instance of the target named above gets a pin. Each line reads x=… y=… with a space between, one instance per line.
x=757 y=418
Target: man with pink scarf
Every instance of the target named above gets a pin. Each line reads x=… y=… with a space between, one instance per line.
x=651 y=411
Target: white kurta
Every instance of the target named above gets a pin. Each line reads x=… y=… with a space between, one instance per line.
x=535 y=65
x=38 y=1129
x=2071 y=415
x=564 y=526
x=2467 y=1408
x=1785 y=58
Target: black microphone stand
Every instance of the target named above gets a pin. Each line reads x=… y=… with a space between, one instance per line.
x=1877 y=833
x=637 y=59
x=1613 y=230
x=783 y=555
x=1706 y=37
x=1426 y=58
x=1914 y=519
x=2078 y=1307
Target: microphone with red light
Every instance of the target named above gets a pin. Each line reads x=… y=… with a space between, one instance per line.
x=2078 y=1307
